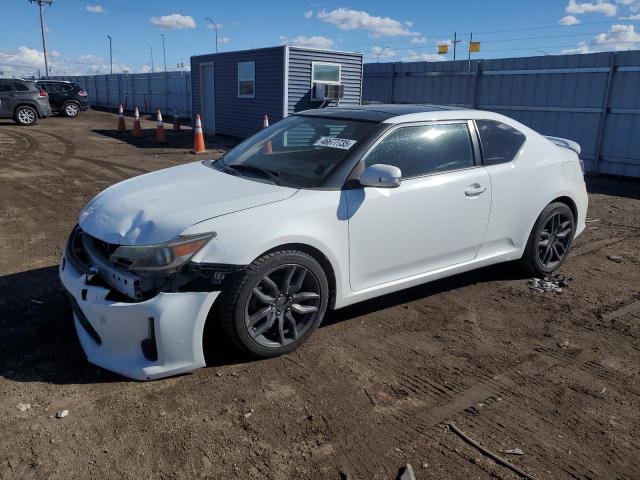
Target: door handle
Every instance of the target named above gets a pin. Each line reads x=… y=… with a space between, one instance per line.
x=475 y=190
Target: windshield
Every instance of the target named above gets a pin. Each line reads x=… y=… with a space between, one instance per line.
x=299 y=151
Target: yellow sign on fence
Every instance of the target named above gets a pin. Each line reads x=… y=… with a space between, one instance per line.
x=474 y=46
x=442 y=49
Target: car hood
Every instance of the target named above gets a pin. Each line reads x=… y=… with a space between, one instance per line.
x=158 y=206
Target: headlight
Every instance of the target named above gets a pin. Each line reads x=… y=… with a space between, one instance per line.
x=164 y=258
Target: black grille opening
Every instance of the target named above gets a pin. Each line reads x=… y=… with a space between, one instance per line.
x=148 y=345
x=84 y=321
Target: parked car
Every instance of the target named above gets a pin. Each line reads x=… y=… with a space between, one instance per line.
x=323 y=209
x=23 y=101
x=65 y=97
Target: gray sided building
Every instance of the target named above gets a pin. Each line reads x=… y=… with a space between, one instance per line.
x=233 y=90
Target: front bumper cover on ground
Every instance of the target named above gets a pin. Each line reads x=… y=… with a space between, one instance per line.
x=121 y=336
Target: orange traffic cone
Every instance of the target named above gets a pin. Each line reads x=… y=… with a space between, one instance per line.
x=198 y=140
x=268 y=148
x=161 y=137
x=137 y=130
x=176 y=120
x=122 y=127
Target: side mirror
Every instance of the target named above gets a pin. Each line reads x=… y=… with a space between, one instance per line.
x=379 y=175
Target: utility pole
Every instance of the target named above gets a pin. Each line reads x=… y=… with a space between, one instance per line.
x=110 y=54
x=40 y=4
x=164 y=55
x=455 y=42
x=151 y=50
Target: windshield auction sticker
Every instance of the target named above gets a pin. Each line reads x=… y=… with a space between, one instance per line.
x=342 y=143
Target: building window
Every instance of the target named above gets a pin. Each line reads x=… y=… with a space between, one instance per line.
x=246 y=79
x=325 y=73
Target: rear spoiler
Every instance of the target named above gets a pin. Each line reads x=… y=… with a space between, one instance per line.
x=565 y=143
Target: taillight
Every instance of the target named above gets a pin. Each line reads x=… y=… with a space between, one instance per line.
x=43 y=93
x=82 y=93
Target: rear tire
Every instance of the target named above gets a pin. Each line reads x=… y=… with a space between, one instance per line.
x=71 y=109
x=550 y=240
x=275 y=304
x=25 y=115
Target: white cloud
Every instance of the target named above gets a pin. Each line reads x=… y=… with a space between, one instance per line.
x=173 y=21
x=25 y=61
x=317 y=41
x=348 y=19
x=408 y=23
x=619 y=37
x=382 y=52
x=635 y=16
x=569 y=20
x=418 y=40
x=308 y=14
x=95 y=8
x=223 y=40
x=582 y=47
x=600 y=6
x=412 y=56
x=218 y=26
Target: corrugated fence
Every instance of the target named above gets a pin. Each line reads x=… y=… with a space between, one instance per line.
x=593 y=99
x=147 y=91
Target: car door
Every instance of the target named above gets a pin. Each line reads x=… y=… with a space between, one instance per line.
x=436 y=218
x=7 y=100
x=54 y=92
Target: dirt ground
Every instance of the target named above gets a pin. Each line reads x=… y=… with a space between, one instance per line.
x=554 y=374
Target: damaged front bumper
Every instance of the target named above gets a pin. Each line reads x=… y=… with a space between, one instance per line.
x=154 y=338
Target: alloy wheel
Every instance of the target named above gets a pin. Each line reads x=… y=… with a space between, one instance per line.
x=26 y=115
x=554 y=240
x=71 y=109
x=282 y=306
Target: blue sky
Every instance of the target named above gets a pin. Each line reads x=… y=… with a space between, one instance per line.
x=384 y=31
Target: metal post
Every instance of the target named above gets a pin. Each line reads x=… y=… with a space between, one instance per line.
x=40 y=3
x=215 y=28
x=164 y=56
x=476 y=86
x=469 y=48
x=605 y=113
x=110 y=54
x=455 y=42
x=151 y=50
x=393 y=79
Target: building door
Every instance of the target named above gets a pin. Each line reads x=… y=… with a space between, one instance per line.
x=207 y=98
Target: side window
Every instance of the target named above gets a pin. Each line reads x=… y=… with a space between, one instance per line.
x=6 y=87
x=53 y=87
x=423 y=149
x=500 y=142
x=21 y=87
x=246 y=79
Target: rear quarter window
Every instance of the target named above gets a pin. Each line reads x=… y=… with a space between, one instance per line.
x=21 y=87
x=500 y=142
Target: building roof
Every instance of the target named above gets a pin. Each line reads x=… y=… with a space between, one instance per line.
x=376 y=112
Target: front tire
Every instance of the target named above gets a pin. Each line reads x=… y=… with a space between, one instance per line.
x=276 y=304
x=550 y=240
x=26 y=115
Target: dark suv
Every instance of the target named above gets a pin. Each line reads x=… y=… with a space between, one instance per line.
x=23 y=101
x=65 y=97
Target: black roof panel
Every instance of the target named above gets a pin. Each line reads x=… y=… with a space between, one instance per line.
x=375 y=112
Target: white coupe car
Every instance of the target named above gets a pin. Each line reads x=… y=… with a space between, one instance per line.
x=323 y=209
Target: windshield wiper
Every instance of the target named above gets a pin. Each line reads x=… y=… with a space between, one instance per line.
x=266 y=173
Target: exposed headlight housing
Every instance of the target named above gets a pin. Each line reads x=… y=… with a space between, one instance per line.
x=161 y=259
